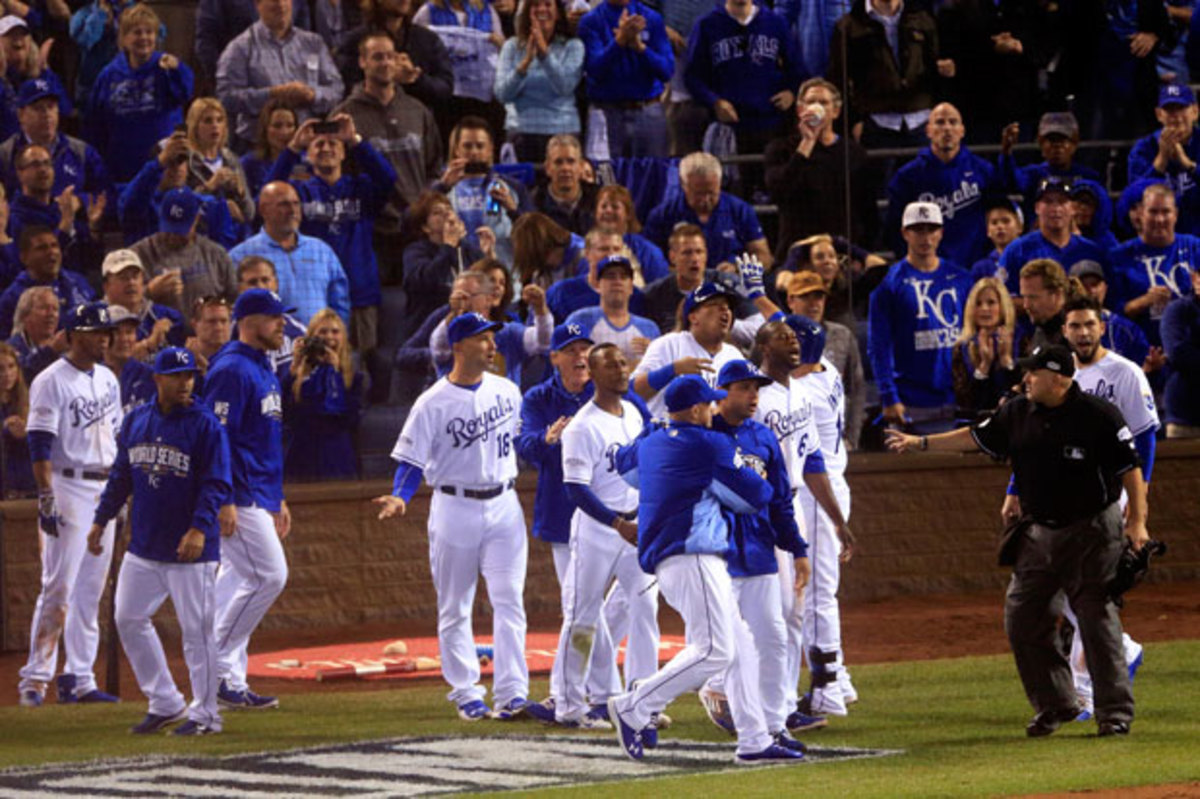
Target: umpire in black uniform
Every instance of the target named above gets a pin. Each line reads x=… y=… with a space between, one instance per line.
x=1071 y=455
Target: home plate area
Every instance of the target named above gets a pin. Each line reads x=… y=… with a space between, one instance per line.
x=395 y=767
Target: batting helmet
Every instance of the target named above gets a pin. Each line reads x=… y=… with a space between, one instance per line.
x=88 y=316
x=811 y=336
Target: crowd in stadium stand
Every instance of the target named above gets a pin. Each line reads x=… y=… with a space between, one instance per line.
x=386 y=165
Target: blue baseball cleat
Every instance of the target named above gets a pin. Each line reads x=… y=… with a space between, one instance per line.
x=154 y=722
x=772 y=754
x=474 y=710
x=629 y=738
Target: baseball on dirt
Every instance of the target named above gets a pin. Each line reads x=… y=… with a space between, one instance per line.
x=396 y=648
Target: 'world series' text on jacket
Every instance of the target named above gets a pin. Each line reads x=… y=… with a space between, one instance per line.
x=244 y=394
x=177 y=468
x=686 y=476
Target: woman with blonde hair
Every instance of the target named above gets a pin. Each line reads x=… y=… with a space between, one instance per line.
x=212 y=166
x=16 y=476
x=323 y=398
x=982 y=362
x=138 y=98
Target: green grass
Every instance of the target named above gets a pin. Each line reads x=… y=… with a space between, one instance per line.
x=960 y=723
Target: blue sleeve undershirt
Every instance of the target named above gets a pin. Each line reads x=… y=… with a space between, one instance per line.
x=40 y=443
x=407 y=481
x=586 y=500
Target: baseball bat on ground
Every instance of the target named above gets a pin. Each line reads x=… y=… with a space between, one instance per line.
x=358 y=671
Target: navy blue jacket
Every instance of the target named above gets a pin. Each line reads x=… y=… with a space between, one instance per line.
x=138 y=203
x=323 y=425
x=754 y=537
x=1181 y=344
x=137 y=385
x=244 y=394
x=177 y=468
x=615 y=74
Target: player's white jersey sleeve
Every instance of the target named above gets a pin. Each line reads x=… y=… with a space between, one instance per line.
x=1124 y=384
x=45 y=402
x=829 y=412
x=463 y=436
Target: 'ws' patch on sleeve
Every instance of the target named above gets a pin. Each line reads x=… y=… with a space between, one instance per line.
x=221 y=409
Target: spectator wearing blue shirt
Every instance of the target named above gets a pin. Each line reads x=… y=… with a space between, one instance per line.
x=730 y=225
x=138 y=97
x=567 y=296
x=36 y=338
x=439 y=253
x=42 y=258
x=1150 y=271
x=536 y=78
x=135 y=376
x=76 y=163
x=1005 y=221
x=1120 y=335
x=36 y=205
x=950 y=175
x=340 y=210
x=628 y=63
x=1093 y=213
x=323 y=401
x=615 y=213
x=308 y=270
x=742 y=63
x=1181 y=344
x=1054 y=238
x=276 y=126
x=1171 y=153
x=915 y=317
x=611 y=321
x=93 y=29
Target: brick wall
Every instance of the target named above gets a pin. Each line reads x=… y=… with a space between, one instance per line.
x=925 y=523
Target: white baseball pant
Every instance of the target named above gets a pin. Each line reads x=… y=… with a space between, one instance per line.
x=1079 y=670
x=72 y=583
x=603 y=680
x=793 y=622
x=253 y=573
x=761 y=606
x=142 y=586
x=698 y=587
x=822 y=619
x=469 y=537
x=597 y=556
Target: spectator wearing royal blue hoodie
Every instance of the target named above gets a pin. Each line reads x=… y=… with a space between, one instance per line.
x=138 y=98
x=742 y=63
x=42 y=259
x=628 y=61
x=915 y=316
x=340 y=209
x=948 y=174
x=65 y=213
x=1053 y=238
x=1172 y=153
x=1093 y=213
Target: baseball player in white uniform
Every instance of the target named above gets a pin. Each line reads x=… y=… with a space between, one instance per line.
x=1104 y=373
x=816 y=382
x=74 y=415
x=606 y=510
x=459 y=437
x=700 y=348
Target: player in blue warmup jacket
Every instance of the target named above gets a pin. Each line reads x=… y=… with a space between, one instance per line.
x=915 y=317
x=173 y=459
x=244 y=394
x=689 y=477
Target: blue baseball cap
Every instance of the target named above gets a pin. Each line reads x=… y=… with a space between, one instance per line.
x=688 y=390
x=259 y=301
x=171 y=360
x=739 y=370
x=34 y=90
x=470 y=324
x=178 y=210
x=706 y=292
x=567 y=334
x=1174 y=94
x=619 y=261
x=88 y=316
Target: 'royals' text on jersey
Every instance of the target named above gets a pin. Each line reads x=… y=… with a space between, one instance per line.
x=81 y=409
x=463 y=436
x=789 y=415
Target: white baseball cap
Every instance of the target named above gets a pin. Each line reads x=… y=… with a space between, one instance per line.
x=923 y=213
x=118 y=261
x=11 y=23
